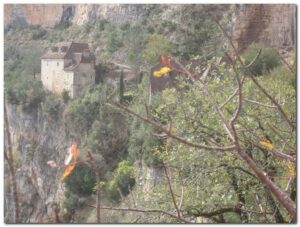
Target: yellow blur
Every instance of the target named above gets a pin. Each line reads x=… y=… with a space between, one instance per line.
x=162 y=71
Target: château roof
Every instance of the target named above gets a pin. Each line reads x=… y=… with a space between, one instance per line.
x=77 y=52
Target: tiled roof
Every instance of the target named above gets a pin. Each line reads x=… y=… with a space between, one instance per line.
x=77 y=52
x=58 y=51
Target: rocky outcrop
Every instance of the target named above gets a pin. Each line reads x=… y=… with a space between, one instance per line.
x=47 y=16
x=35 y=141
x=113 y=12
x=271 y=24
x=50 y=15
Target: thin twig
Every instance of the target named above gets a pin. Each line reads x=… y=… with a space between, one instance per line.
x=145 y=211
x=180 y=139
x=281 y=137
x=226 y=125
x=254 y=60
x=171 y=191
x=286 y=63
x=239 y=83
x=283 y=198
x=259 y=103
x=229 y=98
x=288 y=184
x=182 y=193
x=224 y=210
x=279 y=107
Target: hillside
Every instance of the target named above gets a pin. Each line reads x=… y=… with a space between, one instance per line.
x=213 y=142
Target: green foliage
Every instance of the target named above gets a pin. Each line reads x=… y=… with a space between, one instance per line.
x=156 y=45
x=72 y=201
x=82 y=112
x=143 y=144
x=268 y=59
x=51 y=107
x=64 y=25
x=81 y=181
x=114 y=41
x=123 y=179
x=108 y=134
x=28 y=93
x=214 y=180
x=100 y=73
x=121 y=88
x=38 y=32
x=100 y=24
x=135 y=41
x=16 y=157
x=87 y=27
x=65 y=96
x=125 y=26
x=208 y=180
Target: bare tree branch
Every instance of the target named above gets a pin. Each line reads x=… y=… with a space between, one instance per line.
x=274 y=151
x=239 y=83
x=279 y=107
x=254 y=60
x=180 y=139
x=286 y=63
x=229 y=98
x=282 y=197
x=259 y=103
x=224 y=210
x=145 y=211
x=171 y=191
x=282 y=137
x=239 y=168
x=278 y=154
x=226 y=125
x=182 y=194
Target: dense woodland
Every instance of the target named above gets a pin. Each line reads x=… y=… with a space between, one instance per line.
x=222 y=148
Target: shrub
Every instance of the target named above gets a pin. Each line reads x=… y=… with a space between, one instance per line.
x=87 y=27
x=100 y=24
x=268 y=59
x=65 y=96
x=157 y=45
x=114 y=41
x=82 y=180
x=38 y=33
x=123 y=179
x=142 y=144
x=125 y=26
x=63 y=25
x=51 y=106
x=72 y=201
x=82 y=112
x=28 y=93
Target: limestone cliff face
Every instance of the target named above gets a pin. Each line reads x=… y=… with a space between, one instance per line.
x=35 y=141
x=46 y=15
x=49 y=15
x=272 y=24
x=112 y=12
